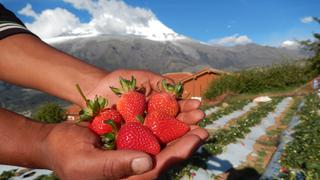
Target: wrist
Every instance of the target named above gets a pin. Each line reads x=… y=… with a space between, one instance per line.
x=38 y=153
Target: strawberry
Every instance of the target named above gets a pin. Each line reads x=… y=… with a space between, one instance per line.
x=99 y=115
x=166 y=102
x=132 y=103
x=99 y=123
x=165 y=127
x=135 y=136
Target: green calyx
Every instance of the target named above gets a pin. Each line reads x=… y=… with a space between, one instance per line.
x=112 y=124
x=108 y=140
x=175 y=89
x=140 y=118
x=93 y=106
x=126 y=86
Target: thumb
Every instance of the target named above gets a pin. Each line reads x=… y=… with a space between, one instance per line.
x=122 y=163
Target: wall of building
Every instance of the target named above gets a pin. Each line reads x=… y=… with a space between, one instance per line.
x=198 y=85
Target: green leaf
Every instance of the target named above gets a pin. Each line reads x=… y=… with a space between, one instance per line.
x=117 y=91
x=102 y=102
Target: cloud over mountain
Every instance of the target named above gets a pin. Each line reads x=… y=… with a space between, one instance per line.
x=235 y=39
x=107 y=17
x=289 y=44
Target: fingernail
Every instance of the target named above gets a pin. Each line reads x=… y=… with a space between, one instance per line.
x=140 y=165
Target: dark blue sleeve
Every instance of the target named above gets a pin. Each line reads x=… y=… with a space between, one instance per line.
x=10 y=24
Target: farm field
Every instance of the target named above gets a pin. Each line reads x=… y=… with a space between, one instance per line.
x=277 y=139
x=274 y=139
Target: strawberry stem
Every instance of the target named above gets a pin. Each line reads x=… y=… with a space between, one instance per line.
x=82 y=94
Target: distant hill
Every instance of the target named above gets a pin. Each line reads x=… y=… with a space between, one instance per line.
x=115 y=51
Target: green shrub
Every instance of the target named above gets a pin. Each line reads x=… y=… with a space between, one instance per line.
x=7 y=174
x=276 y=77
x=50 y=113
x=47 y=177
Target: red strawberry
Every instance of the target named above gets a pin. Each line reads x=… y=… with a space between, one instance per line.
x=166 y=128
x=132 y=103
x=135 y=136
x=99 y=115
x=99 y=124
x=165 y=102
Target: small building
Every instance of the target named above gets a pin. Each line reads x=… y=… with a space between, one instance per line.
x=178 y=76
x=195 y=84
x=73 y=112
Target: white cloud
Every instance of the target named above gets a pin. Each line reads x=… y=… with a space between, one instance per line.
x=28 y=11
x=307 y=19
x=107 y=17
x=232 y=40
x=289 y=44
x=50 y=22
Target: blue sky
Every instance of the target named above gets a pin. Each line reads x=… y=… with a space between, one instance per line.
x=268 y=22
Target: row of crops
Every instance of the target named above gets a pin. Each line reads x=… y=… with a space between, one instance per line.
x=244 y=122
x=231 y=145
x=301 y=157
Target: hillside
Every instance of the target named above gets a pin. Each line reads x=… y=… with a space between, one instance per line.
x=115 y=51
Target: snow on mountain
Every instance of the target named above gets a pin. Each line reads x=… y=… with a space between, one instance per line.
x=154 y=30
x=107 y=17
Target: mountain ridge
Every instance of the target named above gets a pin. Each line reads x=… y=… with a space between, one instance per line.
x=127 y=51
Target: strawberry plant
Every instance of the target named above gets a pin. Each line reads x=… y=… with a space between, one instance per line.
x=222 y=137
x=214 y=145
x=232 y=106
x=302 y=154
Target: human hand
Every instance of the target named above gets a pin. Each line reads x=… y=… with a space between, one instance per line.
x=74 y=152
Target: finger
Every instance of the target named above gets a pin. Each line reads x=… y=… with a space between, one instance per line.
x=191 y=117
x=194 y=130
x=189 y=105
x=201 y=132
x=147 y=87
x=123 y=163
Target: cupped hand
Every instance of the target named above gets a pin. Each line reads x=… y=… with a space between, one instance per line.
x=74 y=152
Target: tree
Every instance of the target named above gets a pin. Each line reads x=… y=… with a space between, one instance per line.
x=314 y=46
x=50 y=113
